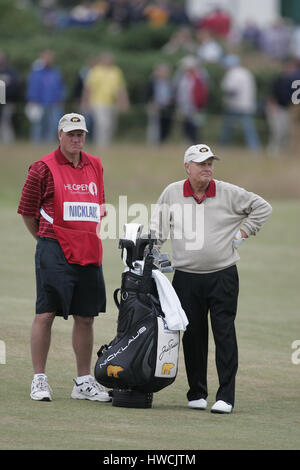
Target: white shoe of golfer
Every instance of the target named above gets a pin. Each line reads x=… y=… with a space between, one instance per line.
x=90 y=390
x=40 y=389
x=221 y=407
x=200 y=404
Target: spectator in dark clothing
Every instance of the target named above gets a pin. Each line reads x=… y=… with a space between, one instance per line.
x=9 y=76
x=278 y=109
x=137 y=10
x=45 y=95
x=159 y=105
x=77 y=95
x=252 y=35
x=119 y=13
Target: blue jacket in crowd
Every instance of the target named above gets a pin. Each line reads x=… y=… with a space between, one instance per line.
x=45 y=86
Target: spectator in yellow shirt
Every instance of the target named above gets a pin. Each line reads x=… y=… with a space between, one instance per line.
x=105 y=95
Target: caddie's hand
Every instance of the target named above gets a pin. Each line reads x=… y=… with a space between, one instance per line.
x=239 y=238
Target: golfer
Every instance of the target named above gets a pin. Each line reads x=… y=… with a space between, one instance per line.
x=207 y=220
x=62 y=204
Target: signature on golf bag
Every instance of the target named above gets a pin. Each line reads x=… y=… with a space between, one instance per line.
x=143 y=355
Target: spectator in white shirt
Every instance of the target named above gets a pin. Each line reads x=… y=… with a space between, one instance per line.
x=239 y=97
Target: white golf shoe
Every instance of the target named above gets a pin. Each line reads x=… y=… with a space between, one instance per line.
x=221 y=407
x=40 y=389
x=200 y=404
x=90 y=390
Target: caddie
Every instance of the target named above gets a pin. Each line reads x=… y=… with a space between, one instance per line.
x=207 y=221
x=62 y=203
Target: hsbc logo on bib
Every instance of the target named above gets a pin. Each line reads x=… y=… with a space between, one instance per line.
x=82 y=188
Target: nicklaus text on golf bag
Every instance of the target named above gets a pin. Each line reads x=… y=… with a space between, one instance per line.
x=144 y=354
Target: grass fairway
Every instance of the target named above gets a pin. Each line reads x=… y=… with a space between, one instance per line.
x=266 y=415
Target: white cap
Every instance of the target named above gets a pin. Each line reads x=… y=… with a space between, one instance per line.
x=72 y=122
x=198 y=153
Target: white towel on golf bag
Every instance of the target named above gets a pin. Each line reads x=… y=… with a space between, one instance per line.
x=175 y=316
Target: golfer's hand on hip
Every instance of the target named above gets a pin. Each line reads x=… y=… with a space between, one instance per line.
x=239 y=237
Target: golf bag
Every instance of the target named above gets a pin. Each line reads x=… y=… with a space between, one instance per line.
x=143 y=356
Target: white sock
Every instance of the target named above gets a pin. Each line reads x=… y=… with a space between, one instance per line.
x=83 y=378
x=40 y=375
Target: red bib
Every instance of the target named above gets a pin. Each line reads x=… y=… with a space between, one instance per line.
x=78 y=208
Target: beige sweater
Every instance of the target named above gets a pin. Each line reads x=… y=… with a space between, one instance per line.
x=202 y=234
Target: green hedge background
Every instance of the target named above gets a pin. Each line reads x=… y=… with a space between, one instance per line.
x=136 y=51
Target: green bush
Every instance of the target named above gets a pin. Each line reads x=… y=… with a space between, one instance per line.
x=137 y=50
x=17 y=24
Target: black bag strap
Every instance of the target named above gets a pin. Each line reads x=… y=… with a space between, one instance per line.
x=116 y=297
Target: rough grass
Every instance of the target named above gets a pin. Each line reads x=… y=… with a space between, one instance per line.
x=267 y=397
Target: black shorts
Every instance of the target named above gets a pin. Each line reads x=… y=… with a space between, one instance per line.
x=65 y=288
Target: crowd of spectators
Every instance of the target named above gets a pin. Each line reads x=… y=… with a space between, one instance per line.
x=120 y=13
x=277 y=40
x=181 y=95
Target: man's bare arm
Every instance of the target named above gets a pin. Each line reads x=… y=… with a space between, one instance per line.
x=32 y=225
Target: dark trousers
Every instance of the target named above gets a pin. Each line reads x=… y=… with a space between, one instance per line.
x=199 y=294
x=191 y=130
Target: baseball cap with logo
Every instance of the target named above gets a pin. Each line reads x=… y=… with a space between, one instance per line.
x=198 y=153
x=72 y=122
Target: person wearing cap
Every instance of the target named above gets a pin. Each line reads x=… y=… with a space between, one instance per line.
x=62 y=204
x=207 y=221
